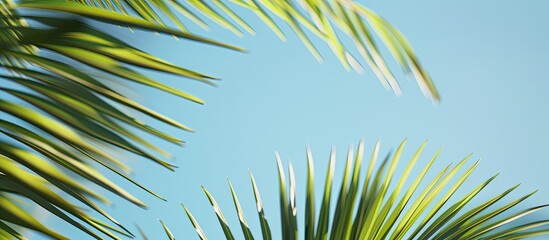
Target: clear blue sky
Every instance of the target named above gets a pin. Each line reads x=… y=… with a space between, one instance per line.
x=488 y=59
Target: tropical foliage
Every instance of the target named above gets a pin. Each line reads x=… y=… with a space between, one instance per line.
x=61 y=116
x=319 y=17
x=71 y=116
x=387 y=204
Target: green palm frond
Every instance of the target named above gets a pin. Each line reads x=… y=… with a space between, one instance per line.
x=329 y=20
x=60 y=117
x=385 y=204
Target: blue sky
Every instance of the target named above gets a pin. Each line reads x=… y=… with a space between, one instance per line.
x=488 y=59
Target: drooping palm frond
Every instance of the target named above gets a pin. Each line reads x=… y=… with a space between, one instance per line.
x=329 y=20
x=386 y=204
x=60 y=116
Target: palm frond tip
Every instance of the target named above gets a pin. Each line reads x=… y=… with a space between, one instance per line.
x=385 y=204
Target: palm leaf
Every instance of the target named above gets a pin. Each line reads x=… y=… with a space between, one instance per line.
x=329 y=20
x=68 y=116
x=387 y=210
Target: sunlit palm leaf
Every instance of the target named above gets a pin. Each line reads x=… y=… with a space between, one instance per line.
x=384 y=209
x=69 y=117
x=329 y=20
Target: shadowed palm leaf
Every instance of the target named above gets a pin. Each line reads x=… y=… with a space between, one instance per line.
x=386 y=204
x=69 y=116
x=321 y=18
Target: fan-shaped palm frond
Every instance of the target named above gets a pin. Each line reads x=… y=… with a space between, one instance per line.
x=60 y=116
x=386 y=204
x=305 y=17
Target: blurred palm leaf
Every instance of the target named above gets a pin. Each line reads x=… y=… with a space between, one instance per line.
x=329 y=20
x=386 y=204
x=60 y=117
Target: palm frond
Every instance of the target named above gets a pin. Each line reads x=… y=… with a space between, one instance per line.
x=61 y=117
x=330 y=21
x=379 y=206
